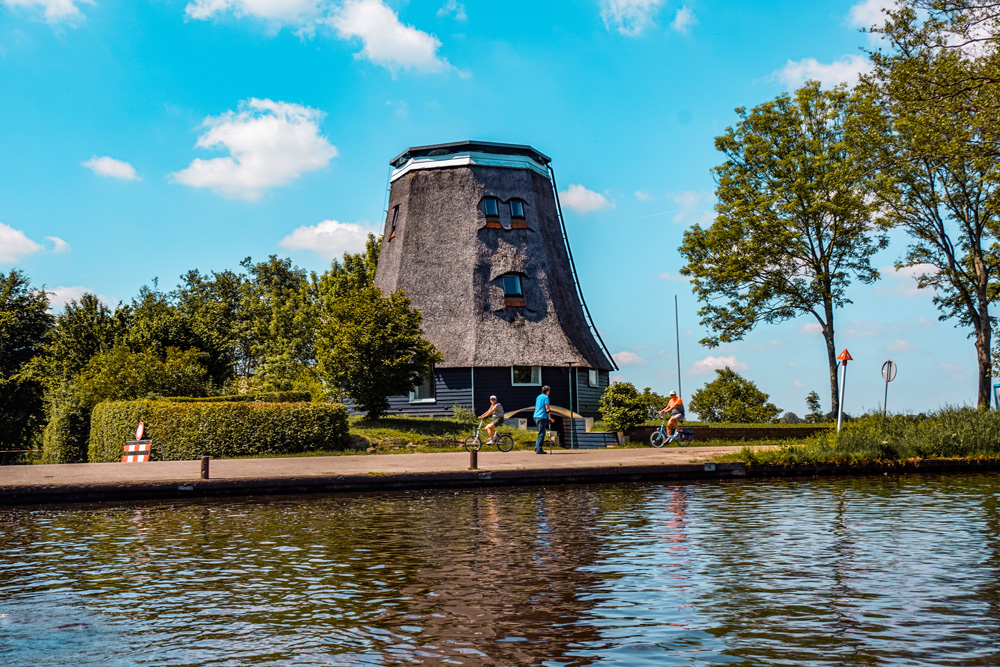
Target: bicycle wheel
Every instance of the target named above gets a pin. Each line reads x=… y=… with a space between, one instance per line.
x=473 y=443
x=656 y=439
x=505 y=443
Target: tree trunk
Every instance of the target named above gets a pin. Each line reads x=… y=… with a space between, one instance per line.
x=984 y=340
x=831 y=355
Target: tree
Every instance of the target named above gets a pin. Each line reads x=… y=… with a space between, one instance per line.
x=794 y=223
x=732 y=398
x=815 y=414
x=370 y=346
x=933 y=136
x=622 y=406
x=652 y=402
x=24 y=323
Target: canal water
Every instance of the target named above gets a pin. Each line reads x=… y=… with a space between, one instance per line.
x=871 y=571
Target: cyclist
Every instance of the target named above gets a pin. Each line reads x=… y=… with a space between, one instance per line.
x=497 y=411
x=675 y=406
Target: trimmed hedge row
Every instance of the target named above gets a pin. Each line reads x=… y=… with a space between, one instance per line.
x=263 y=397
x=185 y=431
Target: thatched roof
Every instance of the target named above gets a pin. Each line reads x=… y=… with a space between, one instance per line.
x=450 y=264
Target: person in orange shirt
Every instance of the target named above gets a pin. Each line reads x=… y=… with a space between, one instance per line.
x=675 y=406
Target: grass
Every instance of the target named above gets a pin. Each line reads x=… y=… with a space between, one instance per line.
x=964 y=433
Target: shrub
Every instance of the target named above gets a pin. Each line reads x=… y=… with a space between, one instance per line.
x=184 y=431
x=260 y=397
x=464 y=415
x=732 y=398
x=622 y=407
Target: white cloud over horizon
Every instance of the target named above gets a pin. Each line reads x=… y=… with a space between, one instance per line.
x=387 y=41
x=58 y=245
x=581 y=200
x=906 y=281
x=847 y=69
x=684 y=19
x=900 y=345
x=290 y=12
x=330 y=239
x=674 y=277
x=693 y=207
x=868 y=13
x=629 y=17
x=626 y=358
x=111 y=168
x=15 y=245
x=453 y=8
x=270 y=144
x=709 y=364
x=61 y=295
x=53 y=11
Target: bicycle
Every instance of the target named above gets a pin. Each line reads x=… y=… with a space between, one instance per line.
x=681 y=436
x=474 y=442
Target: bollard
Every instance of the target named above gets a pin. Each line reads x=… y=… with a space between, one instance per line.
x=204 y=467
x=473 y=460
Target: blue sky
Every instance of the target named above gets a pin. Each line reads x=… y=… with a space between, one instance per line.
x=143 y=138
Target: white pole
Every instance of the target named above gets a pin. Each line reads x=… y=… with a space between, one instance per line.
x=840 y=408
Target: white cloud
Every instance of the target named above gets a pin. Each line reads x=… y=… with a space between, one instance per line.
x=846 y=70
x=629 y=17
x=863 y=329
x=906 y=280
x=582 y=200
x=642 y=195
x=54 y=11
x=951 y=368
x=709 y=364
x=811 y=328
x=627 y=358
x=683 y=19
x=330 y=239
x=693 y=208
x=60 y=296
x=900 y=345
x=14 y=245
x=112 y=168
x=387 y=41
x=674 y=277
x=797 y=383
x=295 y=12
x=453 y=7
x=868 y=13
x=270 y=144
x=793 y=364
x=58 y=245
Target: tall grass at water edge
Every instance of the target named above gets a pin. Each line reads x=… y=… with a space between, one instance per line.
x=950 y=433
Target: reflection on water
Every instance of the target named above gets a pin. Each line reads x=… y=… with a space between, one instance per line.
x=887 y=571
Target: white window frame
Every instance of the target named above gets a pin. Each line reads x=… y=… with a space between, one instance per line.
x=593 y=377
x=432 y=398
x=536 y=377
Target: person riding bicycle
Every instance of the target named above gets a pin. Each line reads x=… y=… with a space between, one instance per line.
x=675 y=406
x=496 y=410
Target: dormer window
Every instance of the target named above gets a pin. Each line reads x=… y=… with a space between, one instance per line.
x=517 y=220
x=513 y=296
x=392 y=228
x=491 y=207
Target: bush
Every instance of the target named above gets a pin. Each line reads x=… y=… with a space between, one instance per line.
x=67 y=428
x=622 y=407
x=260 y=397
x=732 y=398
x=185 y=431
x=464 y=415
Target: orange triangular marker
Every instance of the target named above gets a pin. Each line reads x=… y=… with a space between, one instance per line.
x=845 y=356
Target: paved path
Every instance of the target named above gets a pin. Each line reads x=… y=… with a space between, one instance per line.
x=364 y=472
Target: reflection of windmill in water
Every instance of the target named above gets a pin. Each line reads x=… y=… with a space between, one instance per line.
x=475 y=237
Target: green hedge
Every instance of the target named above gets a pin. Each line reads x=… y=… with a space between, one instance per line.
x=184 y=431
x=263 y=397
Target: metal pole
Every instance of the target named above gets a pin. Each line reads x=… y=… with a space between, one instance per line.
x=677 y=331
x=886 y=398
x=572 y=423
x=473 y=459
x=204 y=467
x=840 y=408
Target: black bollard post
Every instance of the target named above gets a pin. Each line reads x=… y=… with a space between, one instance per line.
x=204 y=467
x=473 y=460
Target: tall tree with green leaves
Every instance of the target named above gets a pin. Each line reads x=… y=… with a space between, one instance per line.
x=794 y=224
x=934 y=138
x=732 y=398
x=24 y=324
x=371 y=347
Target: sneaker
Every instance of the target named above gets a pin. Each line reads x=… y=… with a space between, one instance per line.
x=541 y=451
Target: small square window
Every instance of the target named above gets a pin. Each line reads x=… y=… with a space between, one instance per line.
x=516 y=208
x=512 y=286
x=424 y=392
x=592 y=378
x=526 y=375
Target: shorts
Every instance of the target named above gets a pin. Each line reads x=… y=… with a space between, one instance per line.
x=498 y=420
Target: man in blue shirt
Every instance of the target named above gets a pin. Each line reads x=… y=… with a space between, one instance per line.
x=542 y=418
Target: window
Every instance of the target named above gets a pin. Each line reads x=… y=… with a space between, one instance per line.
x=592 y=378
x=517 y=214
x=424 y=392
x=491 y=207
x=513 y=296
x=392 y=229
x=526 y=375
